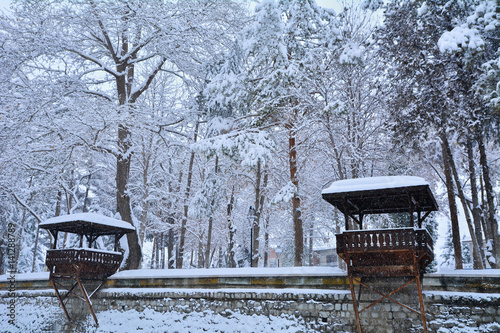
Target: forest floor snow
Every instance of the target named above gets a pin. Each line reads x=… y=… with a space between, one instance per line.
x=41 y=318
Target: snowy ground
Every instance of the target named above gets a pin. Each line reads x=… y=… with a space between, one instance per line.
x=41 y=318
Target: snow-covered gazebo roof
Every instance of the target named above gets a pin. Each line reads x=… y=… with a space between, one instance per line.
x=379 y=195
x=87 y=224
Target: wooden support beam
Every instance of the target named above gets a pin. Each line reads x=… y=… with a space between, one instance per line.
x=355 y=219
x=59 y=298
x=419 y=289
x=412 y=208
x=353 y=294
x=54 y=233
x=424 y=217
x=346 y=216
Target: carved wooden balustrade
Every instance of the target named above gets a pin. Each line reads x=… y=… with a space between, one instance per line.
x=385 y=252
x=86 y=263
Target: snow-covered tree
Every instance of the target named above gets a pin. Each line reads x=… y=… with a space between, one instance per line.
x=432 y=94
x=93 y=61
x=265 y=78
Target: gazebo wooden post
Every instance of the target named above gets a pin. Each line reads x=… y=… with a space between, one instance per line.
x=59 y=298
x=55 y=233
x=346 y=216
x=416 y=268
x=411 y=210
x=87 y=300
x=353 y=293
x=117 y=240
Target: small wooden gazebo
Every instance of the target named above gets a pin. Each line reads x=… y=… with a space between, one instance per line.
x=383 y=253
x=83 y=265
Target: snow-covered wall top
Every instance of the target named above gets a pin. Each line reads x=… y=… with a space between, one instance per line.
x=88 y=217
x=373 y=183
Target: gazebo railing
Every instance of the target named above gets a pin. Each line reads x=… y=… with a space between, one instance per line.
x=89 y=263
x=384 y=240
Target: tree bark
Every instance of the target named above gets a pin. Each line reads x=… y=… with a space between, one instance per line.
x=232 y=231
x=211 y=222
x=182 y=237
x=162 y=250
x=123 y=198
x=259 y=202
x=476 y=210
x=153 y=252
x=170 y=244
x=266 y=243
x=455 y=229
x=311 y=245
x=490 y=216
x=296 y=212
x=146 y=159
x=476 y=253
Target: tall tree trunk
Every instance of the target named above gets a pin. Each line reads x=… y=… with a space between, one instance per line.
x=232 y=231
x=211 y=221
x=476 y=253
x=201 y=256
x=209 y=241
x=221 y=257
x=171 y=218
x=296 y=213
x=162 y=250
x=153 y=252
x=146 y=158
x=455 y=229
x=311 y=245
x=476 y=211
x=490 y=217
x=182 y=237
x=266 y=243
x=170 y=244
x=123 y=162
x=123 y=197
x=259 y=202
x=157 y=250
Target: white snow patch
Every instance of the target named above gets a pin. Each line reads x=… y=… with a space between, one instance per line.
x=229 y=272
x=374 y=183
x=423 y=9
x=41 y=318
x=352 y=54
x=285 y=194
x=459 y=39
x=444 y=271
x=88 y=217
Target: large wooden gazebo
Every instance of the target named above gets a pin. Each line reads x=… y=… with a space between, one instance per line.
x=83 y=266
x=384 y=253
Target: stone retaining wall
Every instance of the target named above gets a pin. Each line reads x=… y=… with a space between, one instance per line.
x=324 y=311
x=327 y=309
